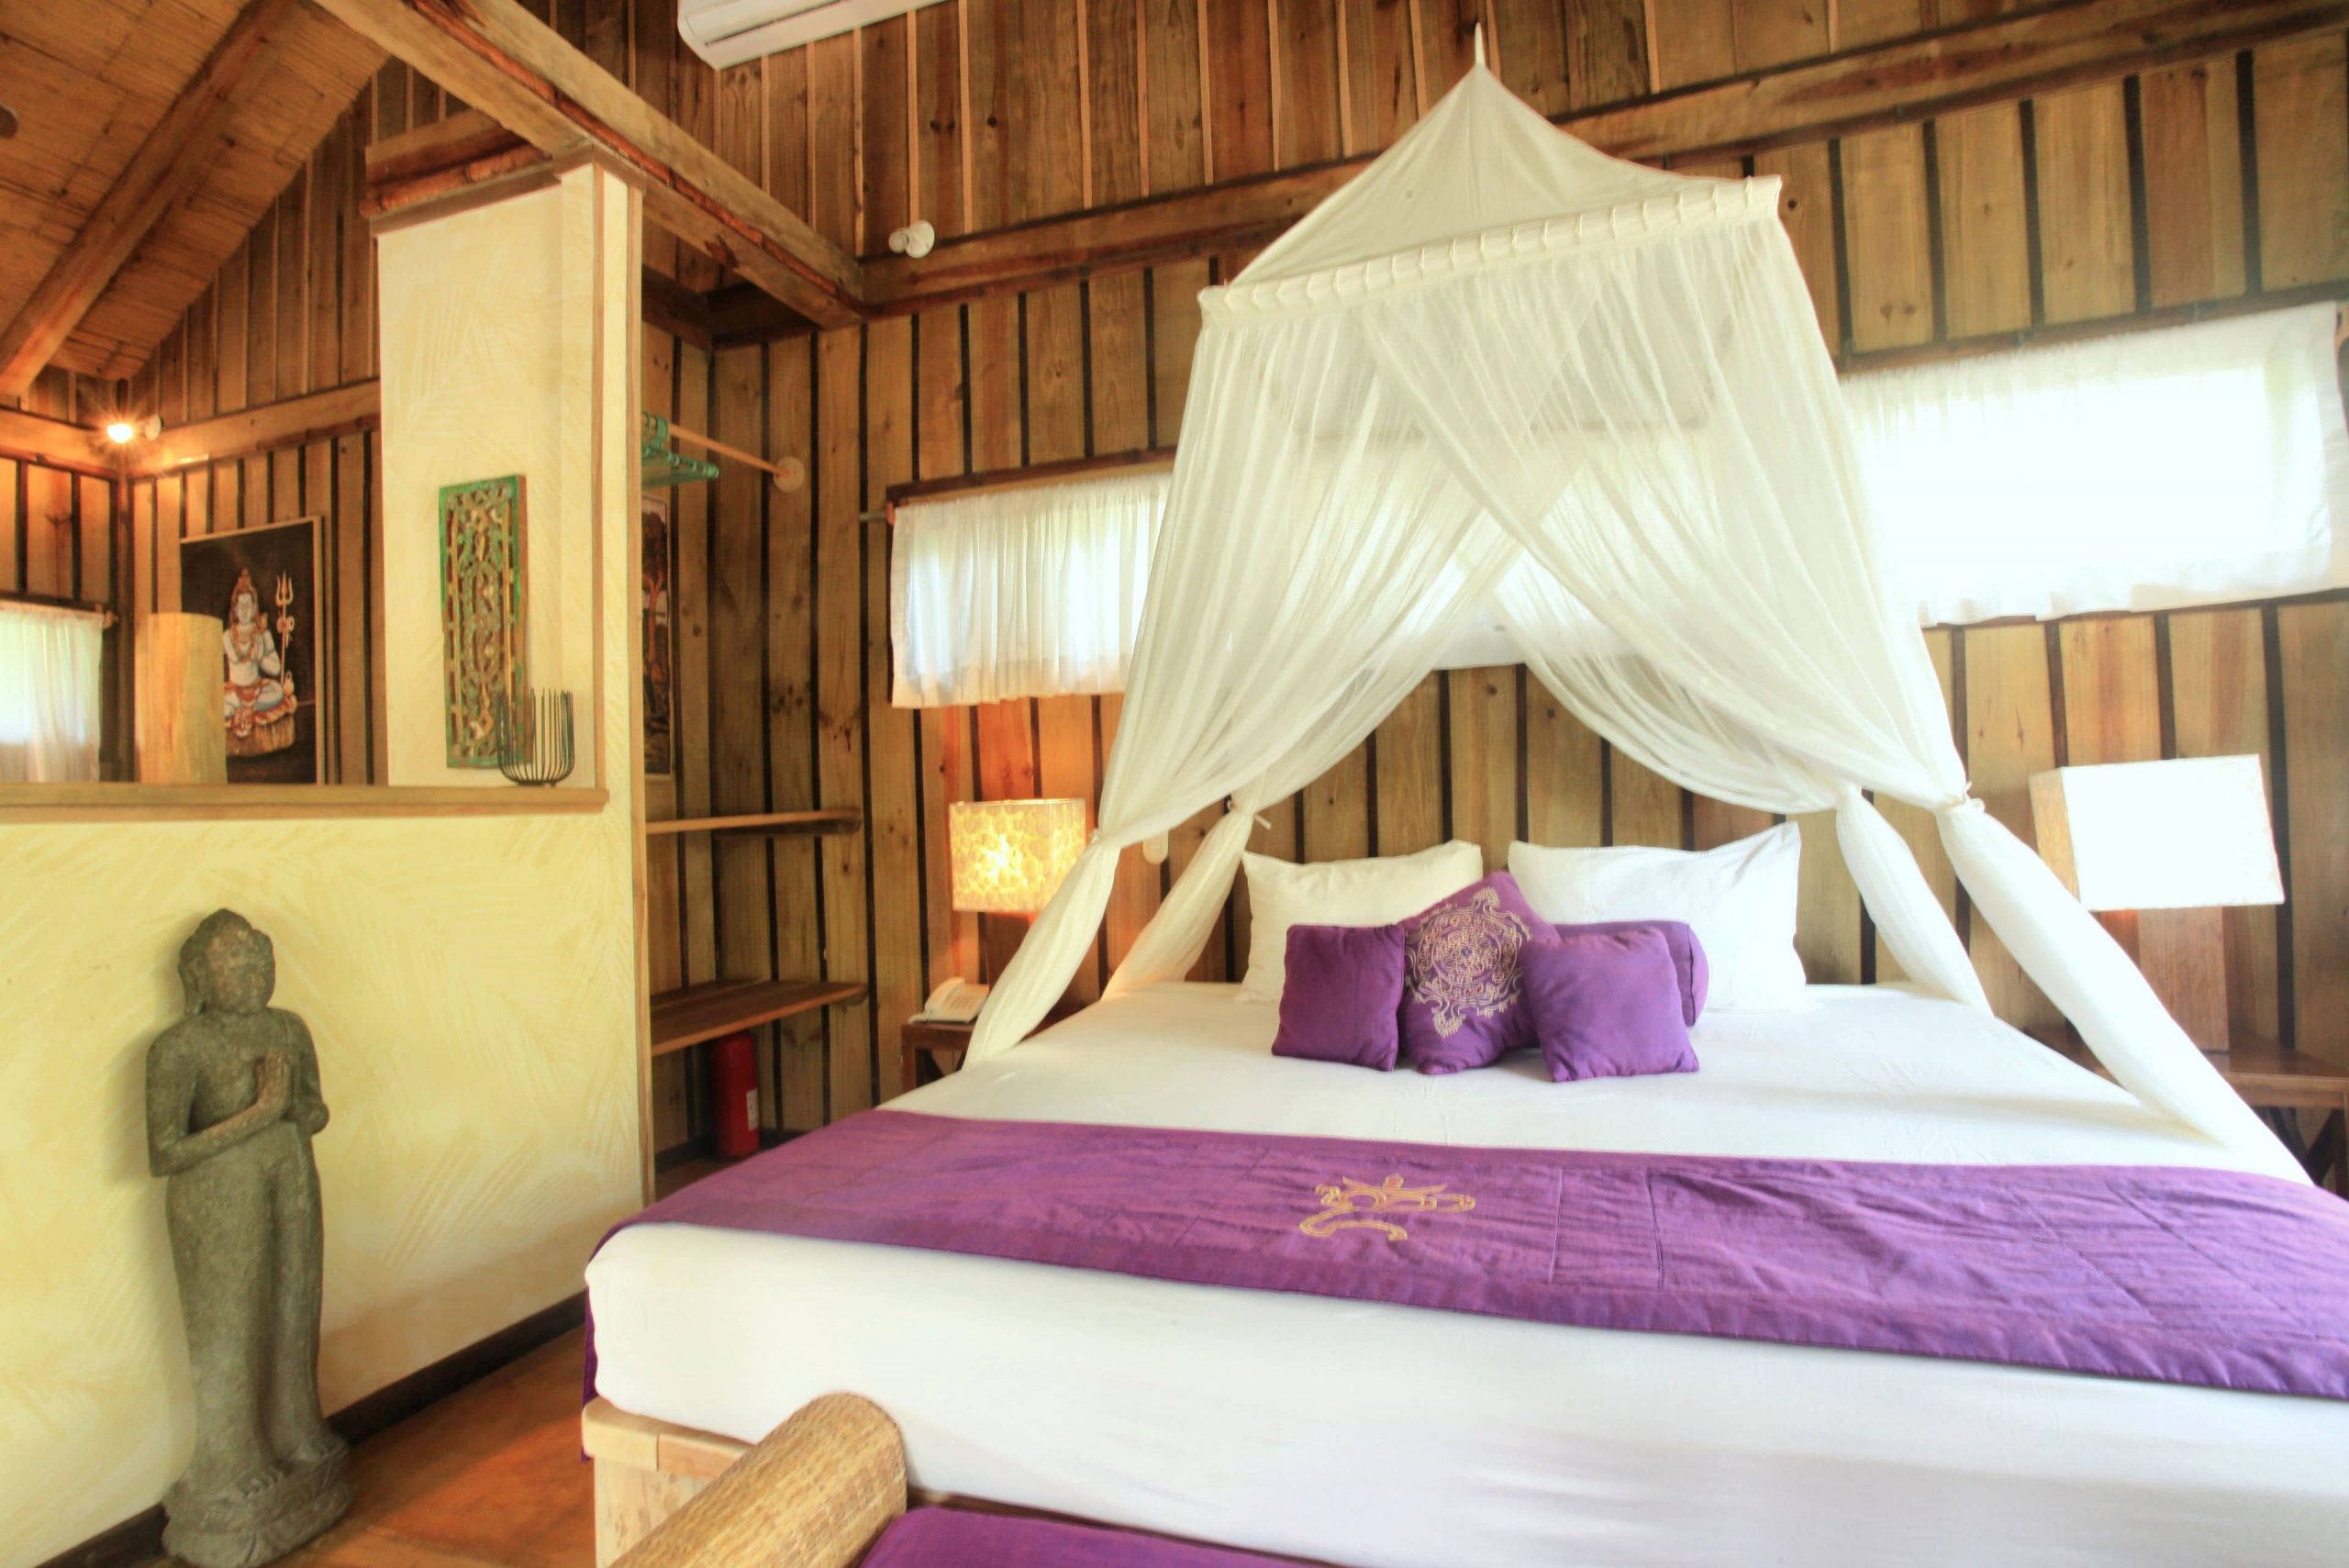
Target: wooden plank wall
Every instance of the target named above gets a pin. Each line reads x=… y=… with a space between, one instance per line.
x=62 y=535
x=292 y=312
x=2202 y=183
x=2206 y=182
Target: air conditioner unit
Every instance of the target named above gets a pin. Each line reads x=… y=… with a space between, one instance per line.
x=728 y=32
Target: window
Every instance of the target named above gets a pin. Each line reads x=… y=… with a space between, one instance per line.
x=2200 y=464
x=1020 y=592
x=1037 y=592
x=2189 y=465
x=50 y=694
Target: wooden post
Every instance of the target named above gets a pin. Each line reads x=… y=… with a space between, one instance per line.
x=180 y=736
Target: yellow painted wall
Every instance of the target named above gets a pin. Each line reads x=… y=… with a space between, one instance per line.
x=471 y=984
x=466 y=300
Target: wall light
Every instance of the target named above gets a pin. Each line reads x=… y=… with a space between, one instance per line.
x=122 y=432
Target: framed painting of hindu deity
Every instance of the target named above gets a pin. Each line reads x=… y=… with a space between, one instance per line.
x=263 y=584
x=483 y=605
x=653 y=603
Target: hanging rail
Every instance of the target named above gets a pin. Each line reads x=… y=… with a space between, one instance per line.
x=789 y=474
x=986 y=481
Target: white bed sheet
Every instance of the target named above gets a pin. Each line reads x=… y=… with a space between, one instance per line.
x=1390 y=1437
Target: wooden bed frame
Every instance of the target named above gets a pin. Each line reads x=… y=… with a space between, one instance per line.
x=817 y=1488
x=645 y=1470
x=817 y=1492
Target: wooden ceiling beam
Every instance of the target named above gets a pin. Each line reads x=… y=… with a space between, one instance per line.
x=670 y=306
x=454 y=153
x=738 y=314
x=520 y=73
x=468 y=151
x=270 y=427
x=164 y=169
x=55 y=442
x=1996 y=60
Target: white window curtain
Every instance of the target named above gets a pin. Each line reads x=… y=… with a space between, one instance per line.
x=2187 y=465
x=2201 y=464
x=50 y=694
x=1020 y=592
x=1037 y=593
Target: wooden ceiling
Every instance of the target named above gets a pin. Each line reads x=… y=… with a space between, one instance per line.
x=90 y=83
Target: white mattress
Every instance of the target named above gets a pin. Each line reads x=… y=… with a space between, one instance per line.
x=1390 y=1437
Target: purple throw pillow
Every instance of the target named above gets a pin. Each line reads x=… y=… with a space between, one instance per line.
x=1339 y=1001
x=1688 y=957
x=1607 y=1004
x=1462 y=1004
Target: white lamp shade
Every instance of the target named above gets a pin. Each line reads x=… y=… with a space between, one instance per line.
x=1009 y=855
x=2186 y=834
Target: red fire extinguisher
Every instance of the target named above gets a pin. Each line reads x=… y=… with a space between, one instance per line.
x=734 y=1099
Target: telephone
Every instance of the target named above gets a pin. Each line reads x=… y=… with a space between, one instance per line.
x=956 y=1002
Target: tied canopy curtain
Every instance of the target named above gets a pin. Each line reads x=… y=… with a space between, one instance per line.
x=2189 y=465
x=1498 y=351
x=51 y=685
x=1020 y=593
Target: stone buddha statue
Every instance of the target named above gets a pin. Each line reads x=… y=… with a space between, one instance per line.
x=232 y=1103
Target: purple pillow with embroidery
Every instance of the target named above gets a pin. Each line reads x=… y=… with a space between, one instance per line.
x=1462 y=1006
x=1337 y=1003
x=1688 y=957
x=1607 y=1004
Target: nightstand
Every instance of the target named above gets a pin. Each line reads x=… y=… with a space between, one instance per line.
x=921 y=1038
x=2275 y=1081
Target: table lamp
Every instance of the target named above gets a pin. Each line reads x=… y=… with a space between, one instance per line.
x=1009 y=855
x=2162 y=849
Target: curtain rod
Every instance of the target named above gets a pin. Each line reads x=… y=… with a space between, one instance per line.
x=105 y=613
x=995 y=479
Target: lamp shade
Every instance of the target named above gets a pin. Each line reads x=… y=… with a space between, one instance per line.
x=1009 y=855
x=2186 y=834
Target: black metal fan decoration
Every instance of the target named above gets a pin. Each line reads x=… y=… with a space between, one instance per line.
x=534 y=744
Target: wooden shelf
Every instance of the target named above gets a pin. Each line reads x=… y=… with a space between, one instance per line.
x=762 y=824
x=211 y=803
x=702 y=1012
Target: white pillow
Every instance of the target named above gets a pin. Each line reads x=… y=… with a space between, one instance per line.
x=1341 y=893
x=1740 y=900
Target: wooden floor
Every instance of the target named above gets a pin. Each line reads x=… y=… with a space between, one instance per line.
x=490 y=1477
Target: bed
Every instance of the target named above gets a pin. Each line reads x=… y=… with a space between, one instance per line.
x=1390 y=1437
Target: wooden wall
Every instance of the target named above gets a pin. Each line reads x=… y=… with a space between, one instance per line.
x=292 y=312
x=2207 y=183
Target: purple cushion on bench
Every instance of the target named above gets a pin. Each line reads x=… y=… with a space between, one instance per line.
x=952 y=1537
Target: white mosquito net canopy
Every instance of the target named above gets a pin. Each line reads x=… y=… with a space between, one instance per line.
x=1499 y=367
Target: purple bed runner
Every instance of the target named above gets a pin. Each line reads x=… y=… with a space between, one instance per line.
x=2167 y=1274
